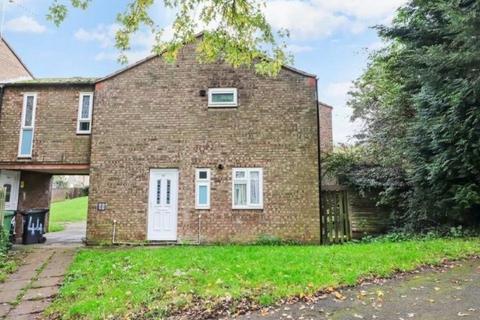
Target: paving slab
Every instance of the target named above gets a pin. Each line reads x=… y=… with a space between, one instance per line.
x=40 y=293
x=4 y=308
x=28 y=307
x=13 y=285
x=9 y=296
x=47 y=282
x=34 y=316
x=53 y=270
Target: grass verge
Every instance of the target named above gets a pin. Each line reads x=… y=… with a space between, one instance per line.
x=71 y=210
x=9 y=263
x=146 y=282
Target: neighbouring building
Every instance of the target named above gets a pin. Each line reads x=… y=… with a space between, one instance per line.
x=11 y=66
x=176 y=152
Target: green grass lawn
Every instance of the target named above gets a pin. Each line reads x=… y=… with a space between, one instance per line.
x=67 y=211
x=121 y=283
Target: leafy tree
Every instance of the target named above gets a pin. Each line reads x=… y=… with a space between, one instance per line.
x=420 y=100
x=236 y=30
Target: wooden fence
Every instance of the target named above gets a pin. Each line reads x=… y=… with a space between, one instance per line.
x=335 y=217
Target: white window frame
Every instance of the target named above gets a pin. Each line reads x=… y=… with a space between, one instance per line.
x=202 y=182
x=79 y=114
x=23 y=126
x=249 y=205
x=213 y=91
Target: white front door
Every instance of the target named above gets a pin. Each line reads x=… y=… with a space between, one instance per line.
x=10 y=181
x=163 y=204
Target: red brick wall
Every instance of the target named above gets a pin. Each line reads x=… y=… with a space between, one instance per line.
x=326 y=136
x=55 y=139
x=152 y=116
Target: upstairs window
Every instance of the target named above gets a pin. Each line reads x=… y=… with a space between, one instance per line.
x=222 y=97
x=28 y=125
x=247 y=188
x=84 y=122
x=202 y=189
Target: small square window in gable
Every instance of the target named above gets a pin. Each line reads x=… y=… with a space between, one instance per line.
x=222 y=97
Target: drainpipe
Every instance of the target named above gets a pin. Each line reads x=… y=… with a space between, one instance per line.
x=319 y=162
x=114 y=231
x=1 y=100
x=199 y=226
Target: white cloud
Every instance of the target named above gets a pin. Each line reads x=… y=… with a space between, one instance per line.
x=302 y=18
x=294 y=48
x=338 y=89
x=132 y=55
x=377 y=45
x=320 y=18
x=24 y=24
x=336 y=94
x=102 y=34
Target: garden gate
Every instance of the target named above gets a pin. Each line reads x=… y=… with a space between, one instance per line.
x=335 y=220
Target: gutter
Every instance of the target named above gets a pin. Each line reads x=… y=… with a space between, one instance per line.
x=319 y=162
x=54 y=84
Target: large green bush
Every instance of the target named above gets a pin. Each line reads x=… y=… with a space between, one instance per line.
x=420 y=101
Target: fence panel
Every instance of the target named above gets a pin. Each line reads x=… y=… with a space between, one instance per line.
x=335 y=219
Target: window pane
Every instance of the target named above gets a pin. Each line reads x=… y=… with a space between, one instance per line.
x=85 y=107
x=202 y=175
x=26 y=147
x=202 y=195
x=84 y=126
x=222 y=97
x=168 y=191
x=240 y=174
x=159 y=191
x=8 y=191
x=255 y=191
x=240 y=194
x=29 y=111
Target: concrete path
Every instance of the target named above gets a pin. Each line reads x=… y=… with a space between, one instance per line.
x=452 y=293
x=72 y=235
x=28 y=291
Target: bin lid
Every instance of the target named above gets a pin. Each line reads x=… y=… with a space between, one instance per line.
x=33 y=211
x=8 y=213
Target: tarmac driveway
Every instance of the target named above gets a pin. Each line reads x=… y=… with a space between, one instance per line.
x=449 y=293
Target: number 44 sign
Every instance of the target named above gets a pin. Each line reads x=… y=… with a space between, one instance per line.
x=32 y=227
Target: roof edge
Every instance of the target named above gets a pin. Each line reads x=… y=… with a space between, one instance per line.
x=323 y=104
x=54 y=82
x=197 y=36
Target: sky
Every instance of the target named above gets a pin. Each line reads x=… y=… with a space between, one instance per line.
x=329 y=38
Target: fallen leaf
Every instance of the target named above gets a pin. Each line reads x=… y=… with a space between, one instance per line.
x=339 y=296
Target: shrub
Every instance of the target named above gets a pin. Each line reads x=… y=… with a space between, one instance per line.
x=269 y=240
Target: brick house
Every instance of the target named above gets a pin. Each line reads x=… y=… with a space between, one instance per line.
x=181 y=152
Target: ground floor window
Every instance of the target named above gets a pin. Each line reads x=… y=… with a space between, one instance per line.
x=202 y=189
x=247 y=188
